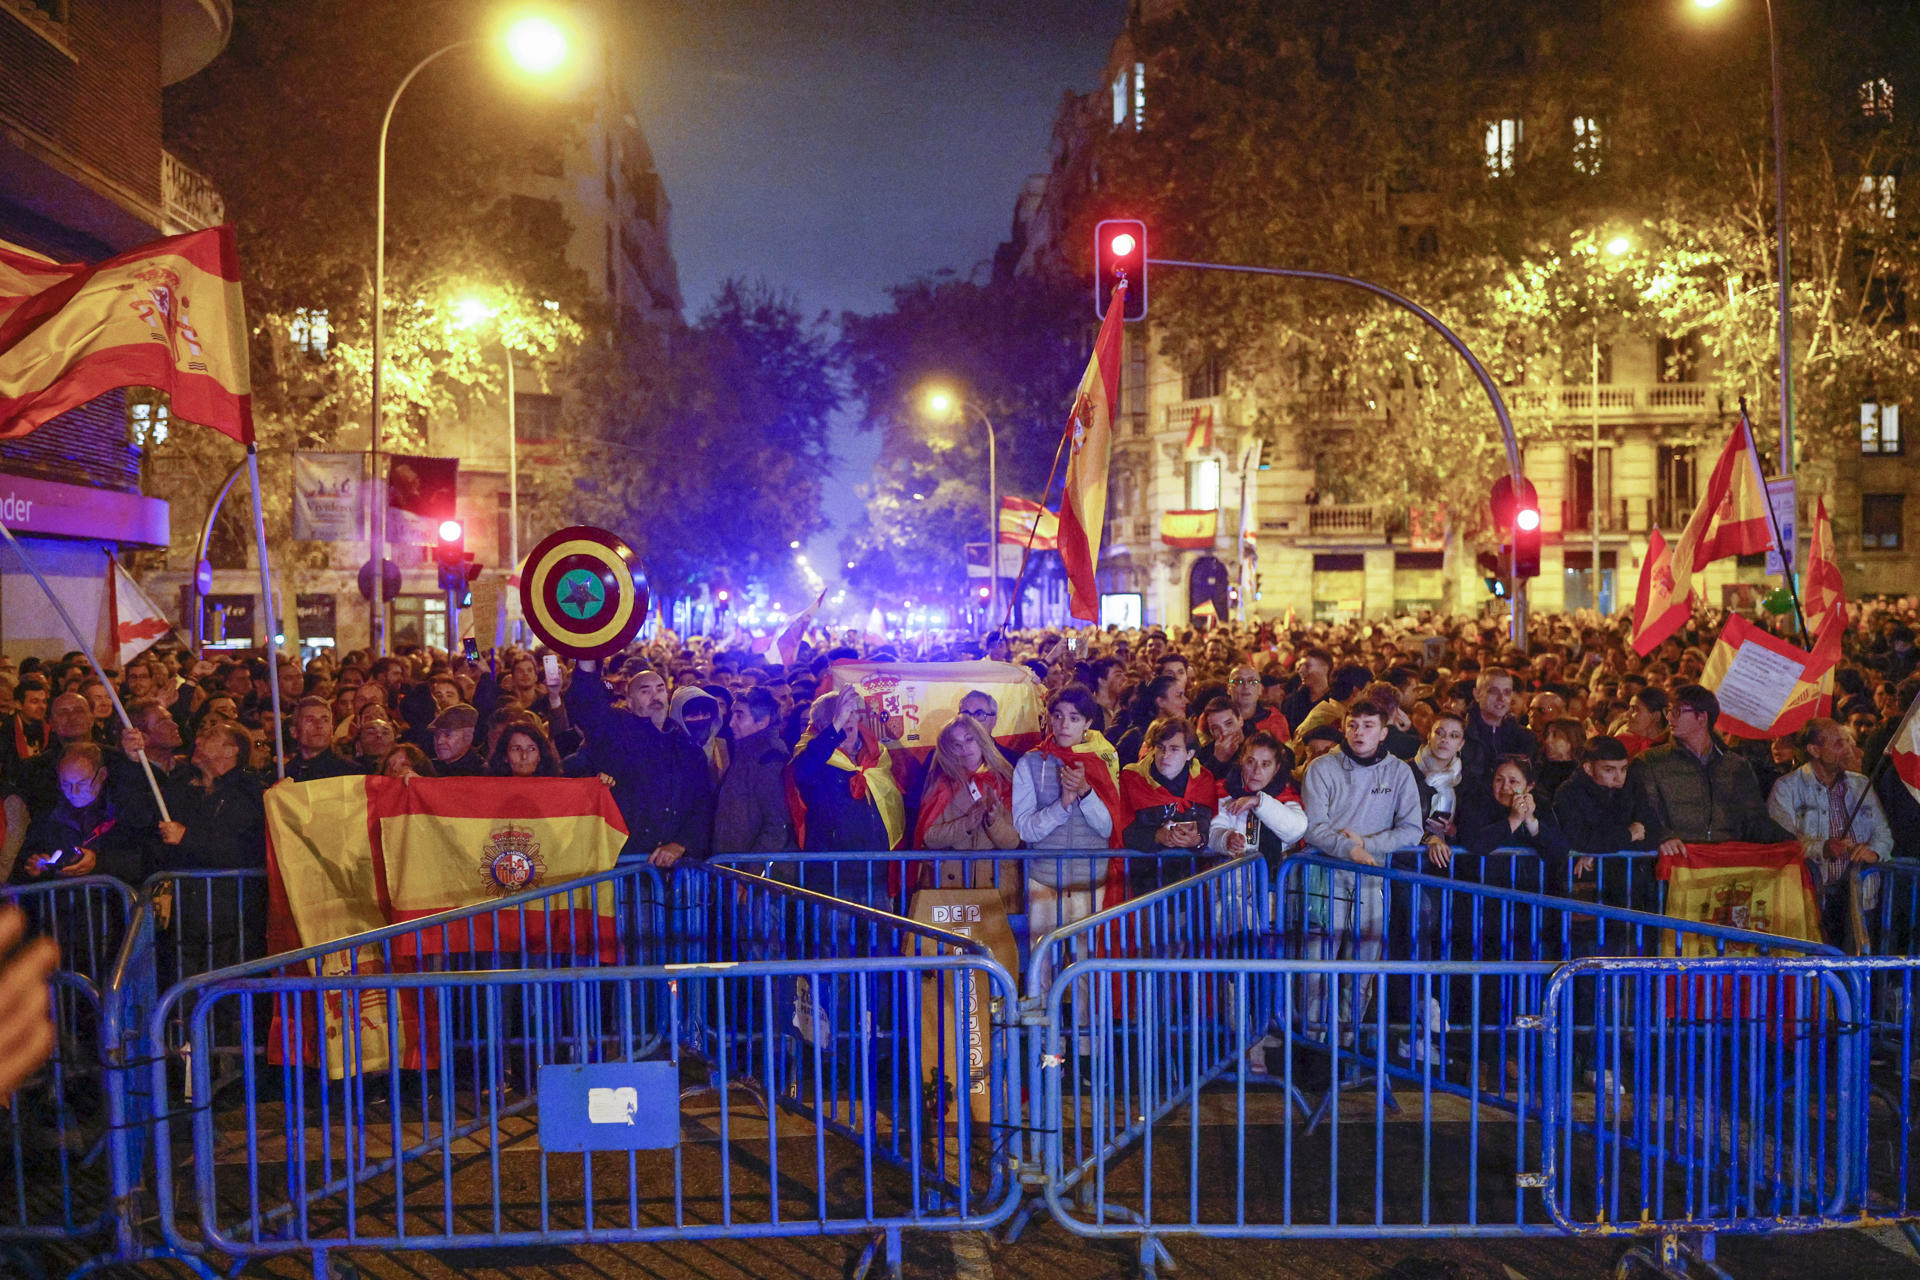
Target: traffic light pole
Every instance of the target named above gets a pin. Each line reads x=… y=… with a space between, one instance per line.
x=1517 y=622
x=453 y=622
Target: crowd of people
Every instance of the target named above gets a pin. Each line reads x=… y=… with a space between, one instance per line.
x=1401 y=742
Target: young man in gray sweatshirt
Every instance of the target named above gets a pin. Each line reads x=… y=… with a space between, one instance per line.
x=1362 y=804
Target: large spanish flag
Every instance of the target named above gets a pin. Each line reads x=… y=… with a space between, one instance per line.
x=1083 y=507
x=352 y=854
x=1733 y=519
x=167 y=315
x=1762 y=887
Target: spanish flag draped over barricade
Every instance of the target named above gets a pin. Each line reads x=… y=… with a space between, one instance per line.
x=1741 y=885
x=348 y=855
x=1733 y=519
x=167 y=315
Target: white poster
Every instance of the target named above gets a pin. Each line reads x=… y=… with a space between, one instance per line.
x=1757 y=684
x=329 y=497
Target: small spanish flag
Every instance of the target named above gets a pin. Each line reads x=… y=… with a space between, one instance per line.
x=1022 y=519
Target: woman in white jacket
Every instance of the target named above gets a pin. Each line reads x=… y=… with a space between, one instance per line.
x=1260 y=785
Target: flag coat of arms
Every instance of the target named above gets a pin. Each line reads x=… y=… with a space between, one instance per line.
x=1733 y=519
x=167 y=315
x=1083 y=505
x=1761 y=887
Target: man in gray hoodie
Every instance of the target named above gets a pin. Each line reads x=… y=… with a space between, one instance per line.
x=1362 y=804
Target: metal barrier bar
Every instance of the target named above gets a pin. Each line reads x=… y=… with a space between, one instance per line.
x=1737 y=1103
x=86 y=915
x=53 y=1183
x=382 y=1084
x=1196 y=1121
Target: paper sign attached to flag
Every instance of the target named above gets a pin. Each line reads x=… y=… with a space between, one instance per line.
x=1768 y=688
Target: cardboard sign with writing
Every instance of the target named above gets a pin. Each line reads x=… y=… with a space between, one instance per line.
x=950 y=1010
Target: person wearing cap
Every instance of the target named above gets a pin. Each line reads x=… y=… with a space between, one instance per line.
x=314 y=755
x=453 y=750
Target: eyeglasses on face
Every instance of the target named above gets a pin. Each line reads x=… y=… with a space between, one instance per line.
x=982 y=713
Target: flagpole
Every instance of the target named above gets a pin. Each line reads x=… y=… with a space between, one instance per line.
x=266 y=605
x=1033 y=530
x=1773 y=525
x=86 y=650
x=1873 y=775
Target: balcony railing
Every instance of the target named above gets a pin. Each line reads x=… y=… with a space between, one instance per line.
x=188 y=199
x=1617 y=399
x=1613 y=517
x=1344 y=520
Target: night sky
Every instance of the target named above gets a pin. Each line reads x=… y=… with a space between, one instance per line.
x=835 y=147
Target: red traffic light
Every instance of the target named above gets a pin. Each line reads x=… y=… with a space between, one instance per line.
x=1120 y=257
x=450 y=531
x=720 y=595
x=1527 y=519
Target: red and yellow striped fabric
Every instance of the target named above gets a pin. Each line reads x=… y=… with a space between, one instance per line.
x=167 y=315
x=1083 y=504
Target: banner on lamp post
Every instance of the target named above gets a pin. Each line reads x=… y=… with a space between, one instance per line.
x=329 y=497
x=1780 y=497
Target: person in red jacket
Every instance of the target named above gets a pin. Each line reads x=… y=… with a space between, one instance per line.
x=1168 y=801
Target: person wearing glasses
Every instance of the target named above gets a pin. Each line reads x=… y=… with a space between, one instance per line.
x=1693 y=790
x=1244 y=689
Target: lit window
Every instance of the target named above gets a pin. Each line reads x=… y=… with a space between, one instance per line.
x=1876 y=98
x=1586 y=144
x=1881 y=191
x=146 y=417
x=1880 y=428
x=1203 y=485
x=1121 y=100
x=1502 y=142
x=310 y=332
x=1139 y=95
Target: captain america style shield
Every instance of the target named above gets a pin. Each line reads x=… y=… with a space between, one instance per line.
x=583 y=592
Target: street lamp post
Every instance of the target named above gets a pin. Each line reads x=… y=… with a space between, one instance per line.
x=1782 y=249
x=945 y=402
x=538 y=46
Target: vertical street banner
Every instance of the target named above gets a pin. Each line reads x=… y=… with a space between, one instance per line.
x=329 y=497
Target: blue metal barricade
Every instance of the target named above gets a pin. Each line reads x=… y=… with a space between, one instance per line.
x=1304 y=1082
x=87 y=916
x=852 y=1090
x=1738 y=1102
x=55 y=1184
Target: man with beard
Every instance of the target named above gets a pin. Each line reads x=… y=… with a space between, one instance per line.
x=659 y=777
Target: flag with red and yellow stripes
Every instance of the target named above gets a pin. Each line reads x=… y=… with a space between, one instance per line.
x=1826 y=600
x=1733 y=519
x=1023 y=520
x=1083 y=505
x=167 y=315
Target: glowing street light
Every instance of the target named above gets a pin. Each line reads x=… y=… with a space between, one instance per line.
x=1619 y=245
x=944 y=402
x=537 y=45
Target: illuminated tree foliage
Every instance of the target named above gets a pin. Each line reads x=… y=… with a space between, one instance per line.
x=1015 y=348
x=1353 y=136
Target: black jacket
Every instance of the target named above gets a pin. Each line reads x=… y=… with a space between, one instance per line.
x=122 y=831
x=750 y=813
x=837 y=820
x=660 y=779
x=1549 y=842
x=1486 y=744
x=1595 y=818
x=226 y=824
x=328 y=764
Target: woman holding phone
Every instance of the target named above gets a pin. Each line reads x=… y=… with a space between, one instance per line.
x=1169 y=801
x=1525 y=824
